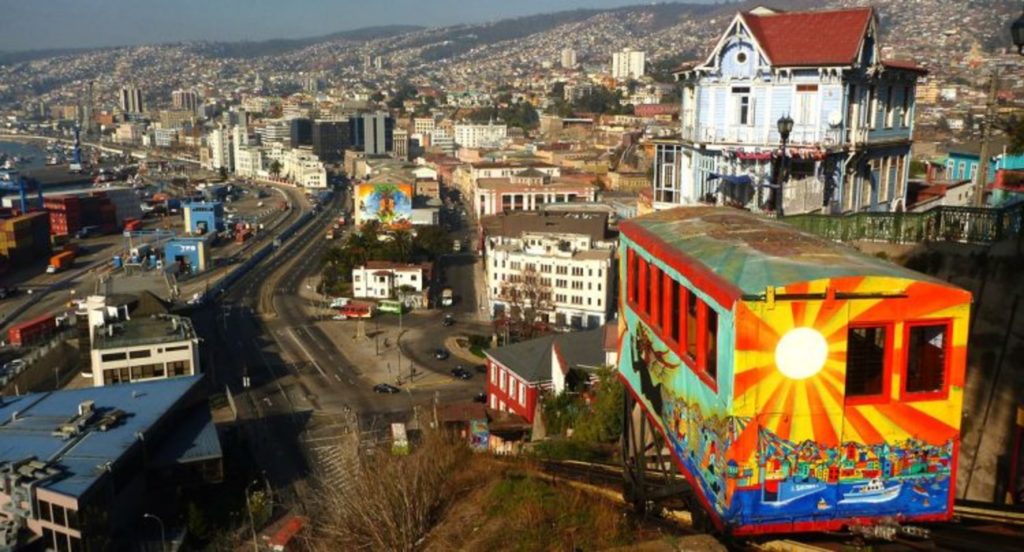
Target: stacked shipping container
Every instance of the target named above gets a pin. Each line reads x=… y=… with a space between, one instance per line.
x=25 y=238
x=70 y=213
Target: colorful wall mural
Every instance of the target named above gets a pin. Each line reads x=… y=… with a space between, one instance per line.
x=785 y=439
x=389 y=203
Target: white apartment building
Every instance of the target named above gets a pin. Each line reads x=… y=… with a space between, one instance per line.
x=442 y=140
x=249 y=161
x=423 y=125
x=558 y=264
x=303 y=168
x=479 y=136
x=141 y=349
x=219 y=142
x=465 y=177
x=568 y=58
x=128 y=133
x=628 y=64
x=278 y=131
x=384 y=279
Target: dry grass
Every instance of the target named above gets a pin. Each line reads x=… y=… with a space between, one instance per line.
x=392 y=502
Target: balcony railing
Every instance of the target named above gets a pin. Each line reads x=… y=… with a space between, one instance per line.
x=943 y=223
x=753 y=136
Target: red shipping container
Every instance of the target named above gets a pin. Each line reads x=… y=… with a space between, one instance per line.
x=32 y=331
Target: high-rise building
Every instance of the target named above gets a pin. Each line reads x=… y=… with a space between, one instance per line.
x=186 y=100
x=568 y=58
x=476 y=136
x=628 y=64
x=330 y=139
x=373 y=133
x=301 y=132
x=131 y=100
x=401 y=139
x=219 y=142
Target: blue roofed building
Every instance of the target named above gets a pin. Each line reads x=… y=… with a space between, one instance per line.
x=852 y=116
x=77 y=466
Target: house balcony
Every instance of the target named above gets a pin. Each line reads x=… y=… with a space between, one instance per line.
x=754 y=136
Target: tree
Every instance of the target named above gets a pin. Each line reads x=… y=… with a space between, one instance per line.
x=431 y=242
x=603 y=420
x=1015 y=130
x=275 y=167
x=528 y=294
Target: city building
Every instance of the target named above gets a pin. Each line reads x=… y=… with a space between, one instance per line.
x=384 y=279
x=401 y=140
x=130 y=100
x=518 y=373
x=140 y=349
x=79 y=467
x=527 y=190
x=568 y=58
x=330 y=138
x=423 y=125
x=373 y=133
x=188 y=254
x=628 y=64
x=219 y=142
x=557 y=268
x=962 y=160
x=275 y=132
x=465 y=177
x=128 y=133
x=301 y=132
x=186 y=100
x=479 y=135
x=203 y=217
x=851 y=117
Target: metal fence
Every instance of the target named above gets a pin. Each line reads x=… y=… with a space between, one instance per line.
x=943 y=223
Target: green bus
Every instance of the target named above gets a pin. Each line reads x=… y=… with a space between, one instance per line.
x=390 y=305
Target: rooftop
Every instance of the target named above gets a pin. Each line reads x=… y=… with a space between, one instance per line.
x=28 y=424
x=516 y=223
x=531 y=360
x=810 y=38
x=138 y=332
x=751 y=253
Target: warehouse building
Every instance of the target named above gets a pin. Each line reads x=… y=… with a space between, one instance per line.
x=204 y=217
x=79 y=467
x=190 y=254
x=147 y=348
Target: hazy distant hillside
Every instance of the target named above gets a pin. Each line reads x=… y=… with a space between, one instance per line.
x=280 y=46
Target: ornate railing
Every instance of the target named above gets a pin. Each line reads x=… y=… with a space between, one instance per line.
x=943 y=223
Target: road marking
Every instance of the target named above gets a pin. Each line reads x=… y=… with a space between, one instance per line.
x=306 y=352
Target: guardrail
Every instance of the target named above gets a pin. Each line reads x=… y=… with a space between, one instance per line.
x=944 y=223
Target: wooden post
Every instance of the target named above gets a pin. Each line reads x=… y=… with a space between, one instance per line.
x=981 y=179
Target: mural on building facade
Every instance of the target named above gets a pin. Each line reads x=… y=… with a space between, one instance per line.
x=387 y=202
x=778 y=446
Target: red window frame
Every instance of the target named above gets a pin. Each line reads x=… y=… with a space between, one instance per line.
x=885 y=395
x=947 y=358
x=644 y=291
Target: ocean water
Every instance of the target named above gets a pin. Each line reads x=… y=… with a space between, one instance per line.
x=25 y=149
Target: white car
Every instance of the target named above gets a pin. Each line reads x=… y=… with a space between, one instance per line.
x=339 y=317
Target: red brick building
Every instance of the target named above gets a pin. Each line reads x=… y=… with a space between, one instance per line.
x=518 y=373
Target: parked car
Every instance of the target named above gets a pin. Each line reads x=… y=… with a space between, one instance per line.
x=449 y=320
x=461 y=373
x=480 y=398
x=340 y=317
x=441 y=354
x=385 y=388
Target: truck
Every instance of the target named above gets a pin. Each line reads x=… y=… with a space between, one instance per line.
x=330 y=234
x=447 y=298
x=60 y=261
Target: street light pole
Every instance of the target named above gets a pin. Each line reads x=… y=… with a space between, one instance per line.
x=785 y=125
x=163 y=535
x=981 y=178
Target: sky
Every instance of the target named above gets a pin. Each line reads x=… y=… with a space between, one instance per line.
x=46 y=24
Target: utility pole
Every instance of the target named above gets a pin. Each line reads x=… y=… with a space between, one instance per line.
x=981 y=179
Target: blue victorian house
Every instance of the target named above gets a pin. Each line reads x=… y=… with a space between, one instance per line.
x=850 y=117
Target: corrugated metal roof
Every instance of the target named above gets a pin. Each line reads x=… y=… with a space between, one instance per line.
x=195 y=439
x=82 y=458
x=751 y=253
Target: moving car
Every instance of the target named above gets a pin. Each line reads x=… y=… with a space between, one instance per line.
x=448 y=320
x=441 y=354
x=461 y=373
x=385 y=389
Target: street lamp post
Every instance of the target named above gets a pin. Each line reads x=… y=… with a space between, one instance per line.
x=785 y=124
x=163 y=534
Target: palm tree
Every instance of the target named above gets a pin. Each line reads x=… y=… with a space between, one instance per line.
x=275 y=167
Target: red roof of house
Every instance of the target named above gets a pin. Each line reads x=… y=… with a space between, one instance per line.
x=1009 y=180
x=810 y=38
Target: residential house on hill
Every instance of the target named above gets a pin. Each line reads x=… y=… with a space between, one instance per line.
x=852 y=112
